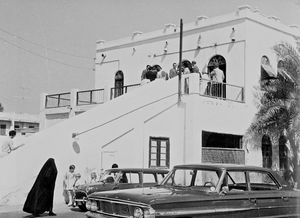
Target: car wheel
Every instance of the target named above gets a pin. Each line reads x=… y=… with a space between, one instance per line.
x=82 y=207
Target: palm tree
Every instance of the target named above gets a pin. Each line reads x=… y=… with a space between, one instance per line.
x=278 y=105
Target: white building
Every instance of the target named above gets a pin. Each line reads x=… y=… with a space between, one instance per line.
x=205 y=127
x=145 y=126
x=24 y=124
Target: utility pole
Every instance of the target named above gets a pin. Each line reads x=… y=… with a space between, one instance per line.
x=179 y=66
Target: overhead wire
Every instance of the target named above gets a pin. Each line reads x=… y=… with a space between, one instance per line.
x=40 y=45
x=42 y=56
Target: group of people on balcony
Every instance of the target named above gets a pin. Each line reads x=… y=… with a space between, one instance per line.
x=153 y=72
x=211 y=82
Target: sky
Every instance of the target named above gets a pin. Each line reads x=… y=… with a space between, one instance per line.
x=48 y=46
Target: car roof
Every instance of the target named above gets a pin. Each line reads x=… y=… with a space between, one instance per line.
x=146 y=170
x=212 y=166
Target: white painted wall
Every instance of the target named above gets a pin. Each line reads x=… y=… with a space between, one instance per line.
x=119 y=131
x=214 y=41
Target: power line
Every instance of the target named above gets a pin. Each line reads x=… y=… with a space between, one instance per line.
x=40 y=45
x=42 y=56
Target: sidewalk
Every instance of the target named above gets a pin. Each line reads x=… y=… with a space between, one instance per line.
x=61 y=209
x=10 y=208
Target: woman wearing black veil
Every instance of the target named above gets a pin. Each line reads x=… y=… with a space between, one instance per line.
x=40 y=197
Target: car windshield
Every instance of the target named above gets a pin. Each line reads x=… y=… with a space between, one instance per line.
x=109 y=176
x=193 y=178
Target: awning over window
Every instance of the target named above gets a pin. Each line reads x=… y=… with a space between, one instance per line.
x=267 y=72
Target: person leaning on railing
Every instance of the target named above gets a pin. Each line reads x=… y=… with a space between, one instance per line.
x=217 y=77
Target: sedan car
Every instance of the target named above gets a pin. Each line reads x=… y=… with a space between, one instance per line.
x=120 y=178
x=203 y=191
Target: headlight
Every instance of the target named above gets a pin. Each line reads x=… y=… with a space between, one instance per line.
x=88 y=204
x=138 y=213
x=94 y=206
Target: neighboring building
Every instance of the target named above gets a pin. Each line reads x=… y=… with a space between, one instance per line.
x=24 y=124
x=215 y=117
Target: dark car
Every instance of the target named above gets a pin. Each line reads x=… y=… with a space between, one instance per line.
x=120 y=178
x=203 y=191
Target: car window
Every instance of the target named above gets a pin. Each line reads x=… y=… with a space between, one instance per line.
x=235 y=177
x=206 y=178
x=235 y=181
x=260 y=181
x=130 y=178
x=193 y=178
x=182 y=177
x=160 y=177
x=149 y=178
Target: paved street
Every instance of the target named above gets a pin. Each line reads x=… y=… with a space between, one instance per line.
x=61 y=210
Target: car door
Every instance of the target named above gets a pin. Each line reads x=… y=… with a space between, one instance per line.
x=266 y=194
x=235 y=204
x=291 y=202
x=234 y=200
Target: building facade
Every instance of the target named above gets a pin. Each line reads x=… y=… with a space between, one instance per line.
x=206 y=126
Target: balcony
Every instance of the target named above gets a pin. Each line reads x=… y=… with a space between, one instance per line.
x=88 y=97
x=191 y=84
x=117 y=91
x=212 y=89
x=58 y=100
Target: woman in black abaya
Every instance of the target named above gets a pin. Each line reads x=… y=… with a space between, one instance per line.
x=40 y=197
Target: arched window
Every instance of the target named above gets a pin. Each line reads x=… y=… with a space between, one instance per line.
x=220 y=60
x=119 y=83
x=283 y=153
x=266 y=148
x=217 y=88
x=266 y=71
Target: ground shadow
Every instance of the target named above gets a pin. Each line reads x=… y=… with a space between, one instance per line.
x=32 y=216
x=76 y=209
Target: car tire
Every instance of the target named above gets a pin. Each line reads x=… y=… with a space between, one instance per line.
x=82 y=207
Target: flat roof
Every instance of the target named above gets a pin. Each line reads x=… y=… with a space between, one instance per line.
x=242 y=13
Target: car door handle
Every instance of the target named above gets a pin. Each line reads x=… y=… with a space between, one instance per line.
x=253 y=200
x=285 y=198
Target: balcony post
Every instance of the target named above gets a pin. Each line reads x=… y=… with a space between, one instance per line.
x=73 y=102
x=107 y=93
x=42 y=115
x=193 y=82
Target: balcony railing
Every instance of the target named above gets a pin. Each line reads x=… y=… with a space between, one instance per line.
x=223 y=155
x=223 y=91
x=87 y=97
x=117 y=91
x=58 y=100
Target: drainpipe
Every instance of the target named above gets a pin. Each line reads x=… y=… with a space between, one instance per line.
x=179 y=66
